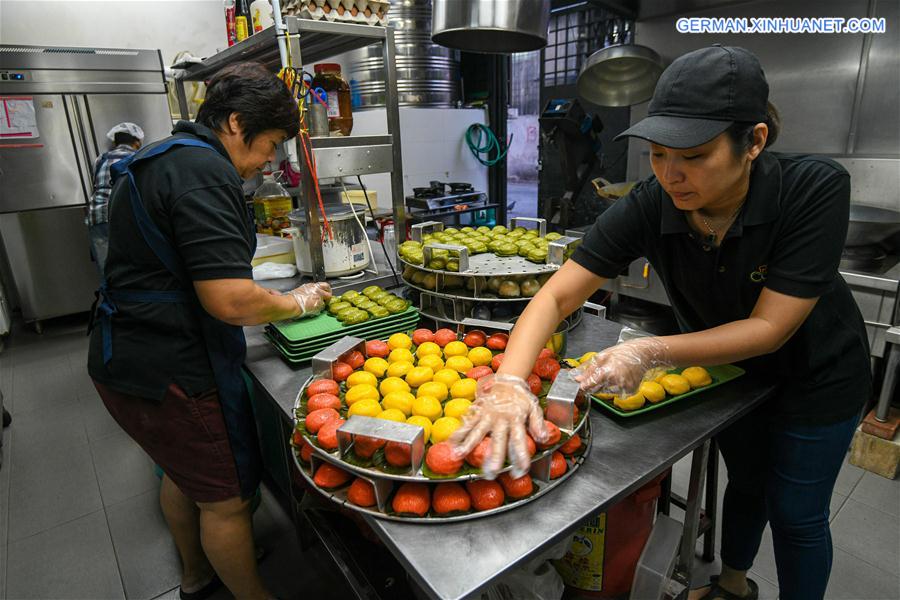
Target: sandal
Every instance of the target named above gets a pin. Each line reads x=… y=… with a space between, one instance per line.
x=716 y=591
x=205 y=592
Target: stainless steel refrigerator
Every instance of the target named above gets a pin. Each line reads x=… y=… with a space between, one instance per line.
x=56 y=106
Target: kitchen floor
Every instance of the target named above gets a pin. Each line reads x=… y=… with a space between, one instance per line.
x=79 y=515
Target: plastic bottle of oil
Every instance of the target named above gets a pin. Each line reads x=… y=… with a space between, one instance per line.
x=271 y=205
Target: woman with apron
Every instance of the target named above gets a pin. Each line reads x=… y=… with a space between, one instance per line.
x=167 y=350
x=747 y=243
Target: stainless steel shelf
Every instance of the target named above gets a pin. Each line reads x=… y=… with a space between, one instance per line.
x=319 y=39
x=304 y=42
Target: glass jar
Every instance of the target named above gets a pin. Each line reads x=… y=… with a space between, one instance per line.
x=340 y=114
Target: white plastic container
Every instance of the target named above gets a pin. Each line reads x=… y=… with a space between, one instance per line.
x=270 y=248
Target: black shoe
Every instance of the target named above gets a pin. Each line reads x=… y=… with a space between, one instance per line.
x=205 y=592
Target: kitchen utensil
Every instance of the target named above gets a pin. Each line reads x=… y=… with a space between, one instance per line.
x=345 y=253
x=610 y=192
x=620 y=75
x=490 y=26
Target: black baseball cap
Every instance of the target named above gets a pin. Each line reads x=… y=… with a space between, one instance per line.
x=701 y=94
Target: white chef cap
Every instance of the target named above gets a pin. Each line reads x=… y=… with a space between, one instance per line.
x=129 y=128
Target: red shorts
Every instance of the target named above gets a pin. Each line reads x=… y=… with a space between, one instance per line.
x=186 y=436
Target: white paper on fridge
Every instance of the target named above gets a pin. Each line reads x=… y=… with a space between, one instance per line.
x=17 y=118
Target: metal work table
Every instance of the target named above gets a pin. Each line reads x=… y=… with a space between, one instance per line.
x=384 y=278
x=626 y=454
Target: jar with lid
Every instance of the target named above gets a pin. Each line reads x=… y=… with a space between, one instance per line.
x=340 y=115
x=271 y=205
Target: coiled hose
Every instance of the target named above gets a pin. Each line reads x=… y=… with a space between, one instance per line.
x=481 y=140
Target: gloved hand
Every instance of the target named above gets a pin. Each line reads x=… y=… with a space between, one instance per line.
x=503 y=405
x=311 y=298
x=620 y=369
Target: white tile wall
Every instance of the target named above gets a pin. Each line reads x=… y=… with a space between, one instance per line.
x=432 y=144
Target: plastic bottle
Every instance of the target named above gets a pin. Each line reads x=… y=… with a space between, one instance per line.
x=271 y=205
x=230 y=30
x=318 y=114
x=243 y=26
x=261 y=11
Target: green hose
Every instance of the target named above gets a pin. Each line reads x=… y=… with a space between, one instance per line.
x=485 y=143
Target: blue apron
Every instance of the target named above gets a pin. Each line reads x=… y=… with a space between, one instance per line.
x=225 y=344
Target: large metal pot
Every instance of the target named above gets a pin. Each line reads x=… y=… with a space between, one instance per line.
x=345 y=253
x=427 y=74
x=491 y=26
x=871 y=225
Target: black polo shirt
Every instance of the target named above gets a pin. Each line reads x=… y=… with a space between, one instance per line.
x=787 y=237
x=194 y=196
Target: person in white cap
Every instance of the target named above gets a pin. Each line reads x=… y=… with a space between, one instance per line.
x=126 y=139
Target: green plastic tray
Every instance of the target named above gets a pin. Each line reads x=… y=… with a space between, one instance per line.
x=720 y=374
x=325 y=323
x=296 y=356
x=361 y=330
x=311 y=350
x=289 y=356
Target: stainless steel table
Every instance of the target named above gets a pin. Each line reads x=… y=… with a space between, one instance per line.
x=457 y=560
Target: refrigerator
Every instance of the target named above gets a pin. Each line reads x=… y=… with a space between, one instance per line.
x=56 y=106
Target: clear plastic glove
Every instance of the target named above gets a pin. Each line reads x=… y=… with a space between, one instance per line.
x=311 y=298
x=620 y=369
x=503 y=406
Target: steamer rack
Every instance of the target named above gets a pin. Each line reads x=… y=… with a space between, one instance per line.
x=453 y=296
x=564 y=405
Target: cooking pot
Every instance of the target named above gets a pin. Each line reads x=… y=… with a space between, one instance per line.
x=345 y=253
x=871 y=225
x=490 y=26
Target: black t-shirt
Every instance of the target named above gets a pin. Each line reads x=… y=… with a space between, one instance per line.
x=787 y=237
x=194 y=196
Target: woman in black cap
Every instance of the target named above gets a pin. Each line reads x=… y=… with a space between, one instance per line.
x=747 y=243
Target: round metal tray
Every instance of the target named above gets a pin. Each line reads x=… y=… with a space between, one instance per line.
x=470 y=298
x=489 y=264
x=575 y=316
x=438 y=319
x=334 y=457
x=340 y=496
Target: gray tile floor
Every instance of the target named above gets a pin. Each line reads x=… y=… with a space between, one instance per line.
x=79 y=509
x=79 y=516
x=865 y=532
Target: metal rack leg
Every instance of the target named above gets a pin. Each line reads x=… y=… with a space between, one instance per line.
x=711 y=512
x=692 y=512
x=181 y=96
x=339 y=553
x=892 y=347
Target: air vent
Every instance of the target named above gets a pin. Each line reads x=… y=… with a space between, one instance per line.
x=92 y=51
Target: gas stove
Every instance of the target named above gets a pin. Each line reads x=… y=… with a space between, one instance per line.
x=439 y=195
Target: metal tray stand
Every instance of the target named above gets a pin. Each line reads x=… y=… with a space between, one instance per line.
x=562 y=398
